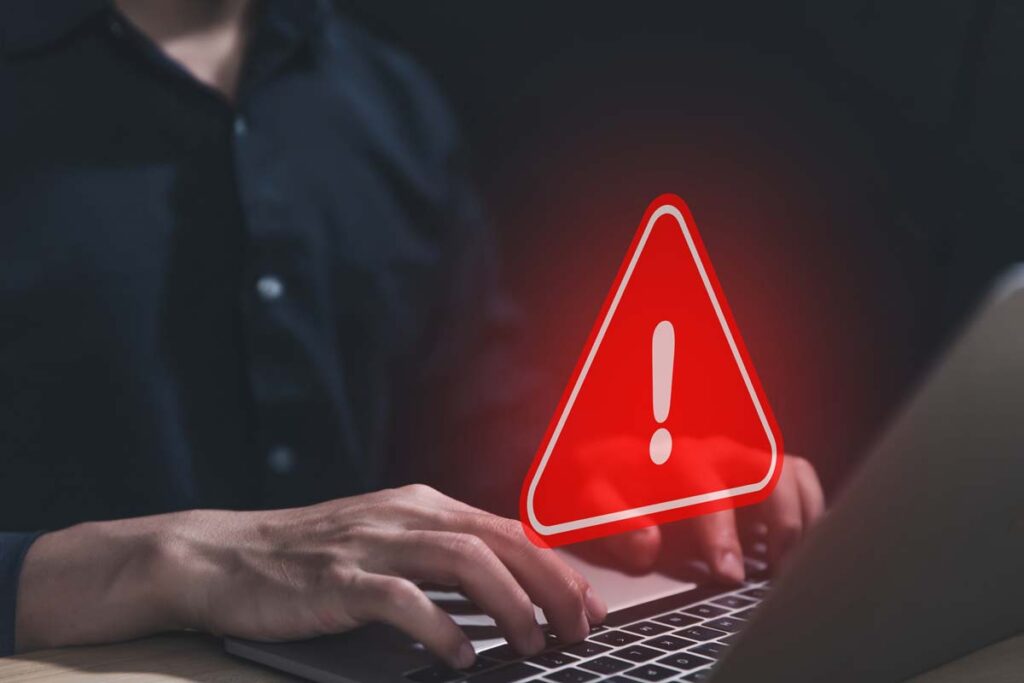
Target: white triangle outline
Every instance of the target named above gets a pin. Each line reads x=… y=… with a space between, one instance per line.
x=607 y=518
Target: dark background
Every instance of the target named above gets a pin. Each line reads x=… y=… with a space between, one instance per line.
x=854 y=169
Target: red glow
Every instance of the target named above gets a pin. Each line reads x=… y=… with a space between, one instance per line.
x=600 y=461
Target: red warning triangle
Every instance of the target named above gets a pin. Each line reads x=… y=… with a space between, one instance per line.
x=664 y=417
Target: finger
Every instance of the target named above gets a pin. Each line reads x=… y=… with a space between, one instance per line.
x=569 y=603
x=753 y=533
x=462 y=559
x=720 y=544
x=784 y=514
x=566 y=598
x=398 y=602
x=634 y=551
x=812 y=497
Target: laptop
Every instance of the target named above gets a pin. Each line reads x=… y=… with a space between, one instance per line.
x=919 y=561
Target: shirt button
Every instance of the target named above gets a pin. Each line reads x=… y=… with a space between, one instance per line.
x=270 y=287
x=281 y=460
x=241 y=127
x=116 y=28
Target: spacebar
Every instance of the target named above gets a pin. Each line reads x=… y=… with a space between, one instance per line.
x=506 y=674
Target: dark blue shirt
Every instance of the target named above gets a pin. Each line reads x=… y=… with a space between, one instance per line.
x=255 y=304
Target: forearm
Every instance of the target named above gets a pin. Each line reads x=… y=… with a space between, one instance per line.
x=99 y=582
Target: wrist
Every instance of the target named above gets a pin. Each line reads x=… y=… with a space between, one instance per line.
x=193 y=558
x=90 y=583
x=141 y=570
x=181 y=572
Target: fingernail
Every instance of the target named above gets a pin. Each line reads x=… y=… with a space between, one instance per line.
x=641 y=538
x=466 y=656
x=730 y=566
x=597 y=610
x=583 y=628
x=536 y=643
x=636 y=550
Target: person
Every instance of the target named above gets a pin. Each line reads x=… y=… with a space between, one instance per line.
x=247 y=300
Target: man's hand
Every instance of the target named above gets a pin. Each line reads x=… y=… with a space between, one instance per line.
x=795 y=504
x=298 y=573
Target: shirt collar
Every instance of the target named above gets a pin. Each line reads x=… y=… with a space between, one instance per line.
x=27 y=25
x=293 y=20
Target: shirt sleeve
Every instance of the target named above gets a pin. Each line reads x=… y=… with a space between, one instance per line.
x=13 y=546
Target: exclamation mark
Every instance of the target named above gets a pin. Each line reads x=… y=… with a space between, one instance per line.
x=663 y=352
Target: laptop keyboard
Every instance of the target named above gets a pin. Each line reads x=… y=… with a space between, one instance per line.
x=678 y=638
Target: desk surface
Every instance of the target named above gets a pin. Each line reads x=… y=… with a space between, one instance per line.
x=193 y=657
x=183 y=657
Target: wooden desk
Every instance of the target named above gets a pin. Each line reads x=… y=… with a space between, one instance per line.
x=184 y=657
x=190 y=657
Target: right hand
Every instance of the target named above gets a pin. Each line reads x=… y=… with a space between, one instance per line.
x=781 y=520
x=304 y=572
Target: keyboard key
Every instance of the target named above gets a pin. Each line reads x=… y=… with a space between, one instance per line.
x=707 y=611
x=712 y=649
x=670 y=643
x=647 y=628
x=651 y=672
x=507 y=674
x=439 y=673
x=699 y=675
x=586 y=649
x=606 y=665
x=700 y=633
x=615 y=638
x=617 y=679
x=503 y=653
x=573 y=675
x=728 y=640
x=677 y=619
x=755 y=593
x=481 y=664
x=552 y=659
x=734 y=602
x=637 y=653
x=755 y=567
x=744 y=614
x=726 y=624
x=685 y=661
